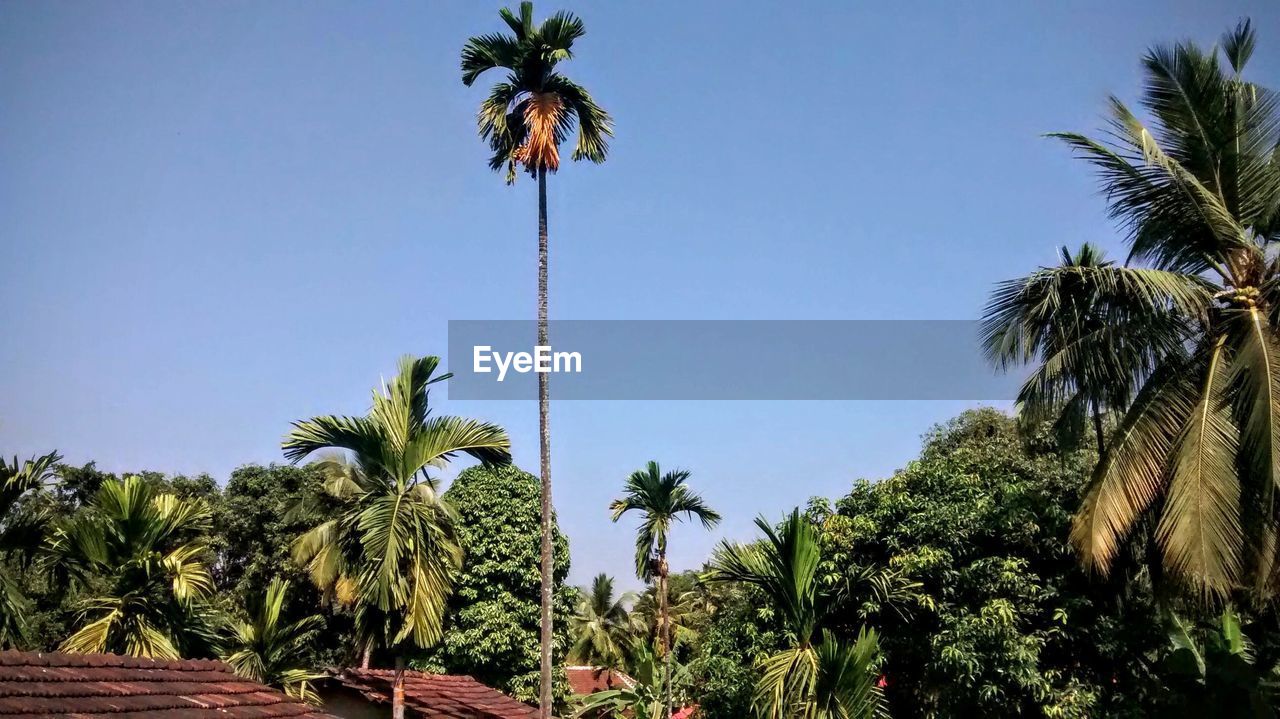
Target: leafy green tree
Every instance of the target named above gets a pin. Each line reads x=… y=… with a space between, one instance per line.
x=1008 y=623
x=525 y=119
x=262 y=511
x=602 y=627
x=741 y=632
x=1093 y=329
x=21 y=534
x=491 y=629
x=393 y=552
x=266 y=649
x=141 y=554
x=662 y=500
x=819 y=675
x=1197 y=187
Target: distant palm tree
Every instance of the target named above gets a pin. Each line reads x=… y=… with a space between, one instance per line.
x=819 y=676
x=1095 y=328
x=662 y=499
x=143 y=554
x=266 y=651
x=1199 y=193
x=602 y=627
x=393 y=552
x=21 y=534
x=525 y=119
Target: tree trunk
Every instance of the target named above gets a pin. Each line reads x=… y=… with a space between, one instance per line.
x=365 y=655
x=544 y=445
x=397 y=690
x=1097 y=429
x=665 y=611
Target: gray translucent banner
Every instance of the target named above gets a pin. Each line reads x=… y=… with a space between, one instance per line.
x=726 y=359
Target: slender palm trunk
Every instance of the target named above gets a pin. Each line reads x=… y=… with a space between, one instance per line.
x=664 y=610
x=1097 y=429
x=544 y=443
x=365 y=655
x=397 y=690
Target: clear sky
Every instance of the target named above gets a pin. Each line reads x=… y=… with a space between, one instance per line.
x=217 y=217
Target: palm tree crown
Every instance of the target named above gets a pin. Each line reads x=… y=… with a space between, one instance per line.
x=266 y=651
x=662 y=499
x=602 y=626
x=393 y=551
x=527 y=116
x=144 y=551
x=818 y=676
x=1095 y=329
x=1199 y=193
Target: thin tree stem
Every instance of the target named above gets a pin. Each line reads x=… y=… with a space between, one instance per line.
x=1097 y=429
x=666 y=631
x=397 y=690
x=544 y=453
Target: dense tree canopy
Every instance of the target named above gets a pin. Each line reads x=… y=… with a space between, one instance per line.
x=491 y=629
x=1010 y=625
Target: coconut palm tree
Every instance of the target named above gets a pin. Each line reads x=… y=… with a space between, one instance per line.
x=1197 y=189
x=662 y=499
x=819 y=676
x=393 y=551
x=143 y=554
x=525 y=119
x=602 y=628
x=1094 y=328
x=21 y=535
x=266 y=651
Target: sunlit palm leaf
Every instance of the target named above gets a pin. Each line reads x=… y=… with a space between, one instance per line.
x=1200 y=528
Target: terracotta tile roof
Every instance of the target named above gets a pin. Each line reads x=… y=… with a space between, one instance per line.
x=588 y=680
x=438 y=696
x=106 y=685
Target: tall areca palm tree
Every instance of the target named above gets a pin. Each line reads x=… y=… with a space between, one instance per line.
x=525 y=119
x=663 y=499
x=393 y=552
x=1198 y=190
x=144 y=553
x=602 y=626
x=21 y=534
x=819 y=676
x=1095 y=330
x=266 y=651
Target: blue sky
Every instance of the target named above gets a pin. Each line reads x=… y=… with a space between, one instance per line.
x=217 y=217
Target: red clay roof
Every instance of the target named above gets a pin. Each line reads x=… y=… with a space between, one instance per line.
x=438 y=696
x=100 y=685
x=589 y=680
